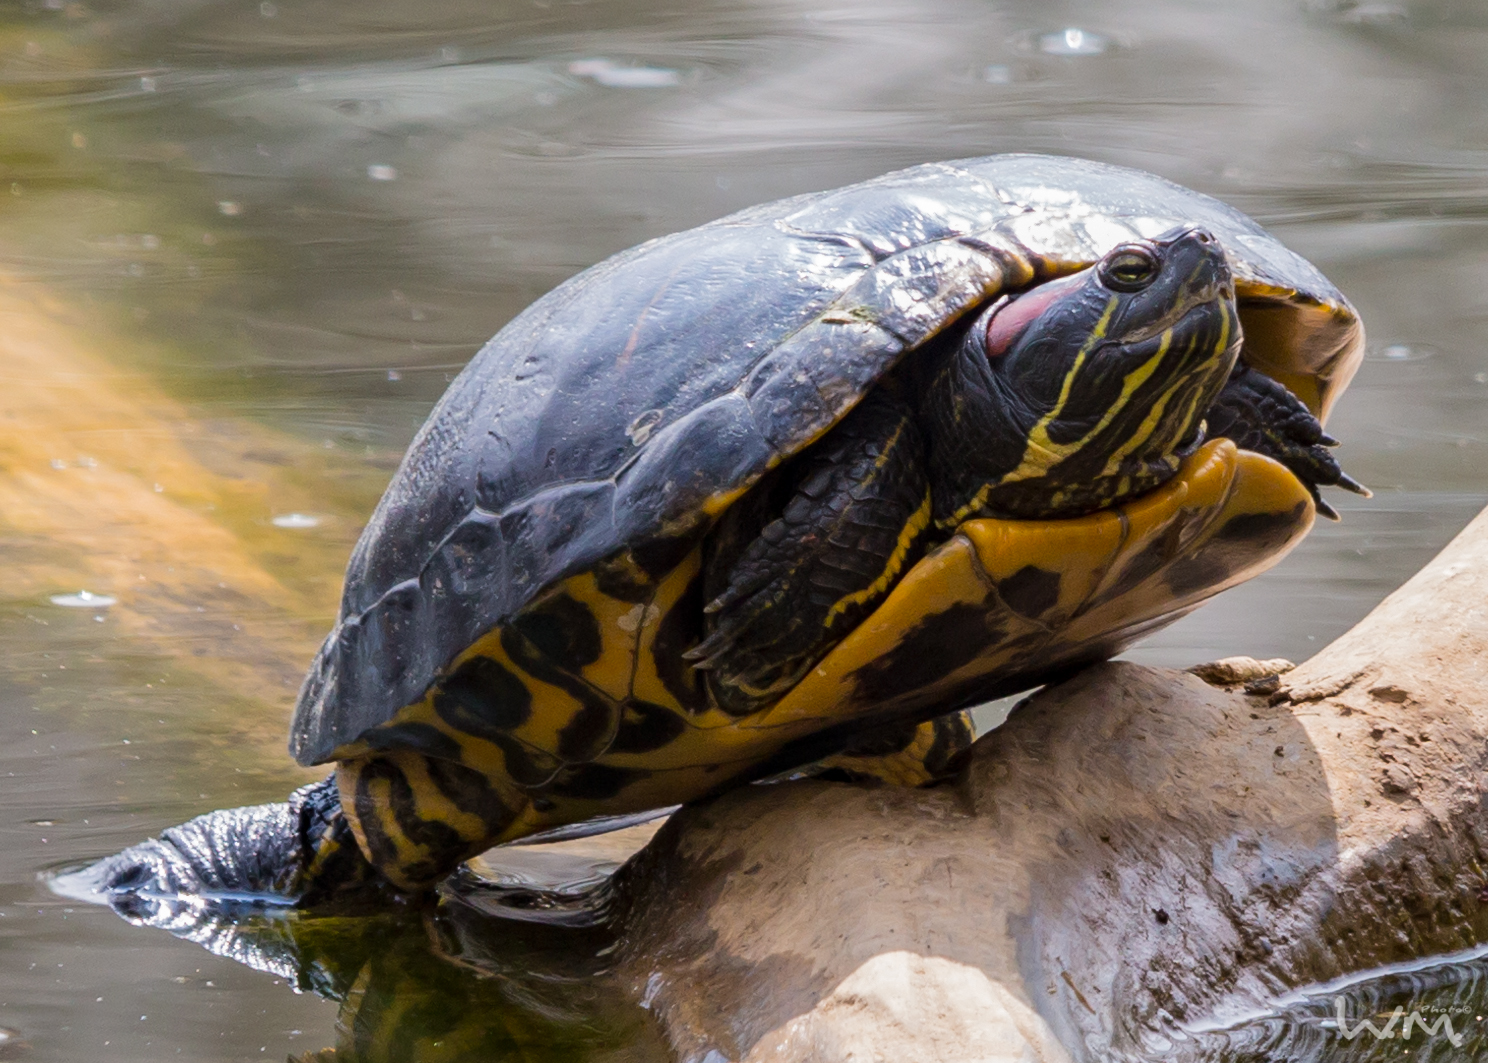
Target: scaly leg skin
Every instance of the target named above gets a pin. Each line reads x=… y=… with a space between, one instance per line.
x=788 y=577
x=298 y=852
x=1263 y=416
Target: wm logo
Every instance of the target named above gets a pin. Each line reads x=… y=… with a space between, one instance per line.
x=1414 y=1020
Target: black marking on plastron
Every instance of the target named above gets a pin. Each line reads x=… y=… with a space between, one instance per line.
x=882 y=741
x=483 y=698
x=383 y=851
x=524 y=765
x=932 y=649
x=419 y=737
x=1268 y=530
x=1021 y=653
x=563 y=630
x=432 y=835
x=589 y=733
x=645 y=727
x=470 y=791
x=954 y=734
x=593 y=725
x=594 y=782
x=1031 y=591
x=678 y=632
x=1163 y=548
x=1236 y=545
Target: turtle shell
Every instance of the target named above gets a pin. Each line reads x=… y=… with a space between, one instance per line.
x=631 y=405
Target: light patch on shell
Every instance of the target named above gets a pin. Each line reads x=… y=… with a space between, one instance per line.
x=1148 y=227
x=1105 y=233
x=632 y=621
x=904 y=299
x=1050 y=198
x=1048 y=232
x=641 y=428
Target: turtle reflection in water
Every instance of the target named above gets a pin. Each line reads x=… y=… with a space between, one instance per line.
x=448 y=982
x=792 y=488
x=455 y=984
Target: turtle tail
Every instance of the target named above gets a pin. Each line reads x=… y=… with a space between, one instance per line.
x=299 y=852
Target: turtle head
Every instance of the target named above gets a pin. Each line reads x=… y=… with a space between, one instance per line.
x=1086 y=390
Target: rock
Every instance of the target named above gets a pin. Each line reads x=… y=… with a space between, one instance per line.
x=1232 y=671
x=904 y=1006
x=1133 y=853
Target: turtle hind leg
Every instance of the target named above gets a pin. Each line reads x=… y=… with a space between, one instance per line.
x=791 y=570
x=1263 y=416
x=906 y=754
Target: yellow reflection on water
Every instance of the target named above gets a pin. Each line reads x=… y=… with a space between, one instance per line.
x=218 y=541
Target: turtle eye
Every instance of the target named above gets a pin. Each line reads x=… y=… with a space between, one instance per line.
x=1129 y=268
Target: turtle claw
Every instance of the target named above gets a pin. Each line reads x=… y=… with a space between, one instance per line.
x=1261 y=415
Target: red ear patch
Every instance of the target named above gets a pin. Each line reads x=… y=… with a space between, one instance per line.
x=1010 y=320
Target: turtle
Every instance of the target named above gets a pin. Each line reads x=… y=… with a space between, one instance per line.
x=791 y=491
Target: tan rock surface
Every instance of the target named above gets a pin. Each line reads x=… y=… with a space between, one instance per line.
x=1132 y=853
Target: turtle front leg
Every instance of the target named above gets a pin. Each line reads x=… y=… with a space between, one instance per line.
x=296 y=852
x=792 y=569
x=1261 y=415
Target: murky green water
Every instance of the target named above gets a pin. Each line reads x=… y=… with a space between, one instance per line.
x=246 y=244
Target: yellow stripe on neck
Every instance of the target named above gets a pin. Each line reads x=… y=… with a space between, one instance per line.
x=1041 y=453
x=1154 y=416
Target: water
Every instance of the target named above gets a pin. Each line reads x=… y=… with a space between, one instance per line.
x=244 y=247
